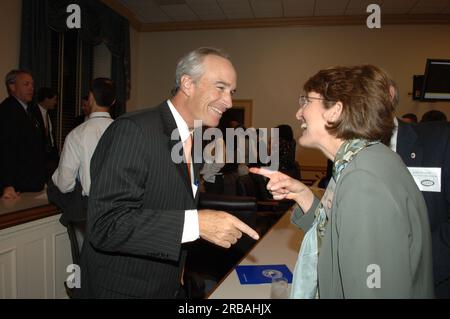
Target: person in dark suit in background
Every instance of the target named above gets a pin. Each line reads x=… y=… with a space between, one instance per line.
x=427 y=146
x=143 y=197
x=433 y=116
x=22 y=155
x=287 y=145
x=47 y=99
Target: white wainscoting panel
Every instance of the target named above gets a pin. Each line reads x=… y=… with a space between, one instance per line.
x=33 y=259
x=8 y=283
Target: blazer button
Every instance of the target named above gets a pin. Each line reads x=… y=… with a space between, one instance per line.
x=413 y=155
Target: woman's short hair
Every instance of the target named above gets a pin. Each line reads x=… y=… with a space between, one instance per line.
x=363 y=90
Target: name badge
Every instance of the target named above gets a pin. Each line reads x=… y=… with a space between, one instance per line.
x=428 y=179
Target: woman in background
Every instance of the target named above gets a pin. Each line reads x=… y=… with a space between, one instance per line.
x=287 y=144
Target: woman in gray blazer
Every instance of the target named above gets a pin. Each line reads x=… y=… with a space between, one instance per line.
x=369 y=236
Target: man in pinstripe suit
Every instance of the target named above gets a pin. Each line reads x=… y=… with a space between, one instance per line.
x=142 y=205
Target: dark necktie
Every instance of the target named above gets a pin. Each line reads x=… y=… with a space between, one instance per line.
x=31 y=117
x=48 y=131
x=46 y=125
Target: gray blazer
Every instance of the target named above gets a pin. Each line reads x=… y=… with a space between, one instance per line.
x=378 y=221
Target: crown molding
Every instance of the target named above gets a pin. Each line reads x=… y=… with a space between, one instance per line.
x=388 y=19
x=295 y=22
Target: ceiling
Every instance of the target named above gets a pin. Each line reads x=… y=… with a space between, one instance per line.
x=171 y=15
x=164 y=11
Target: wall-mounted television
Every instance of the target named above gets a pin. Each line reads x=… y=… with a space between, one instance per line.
x=436 y=80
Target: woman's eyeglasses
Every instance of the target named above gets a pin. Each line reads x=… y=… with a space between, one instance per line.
x=305 y=100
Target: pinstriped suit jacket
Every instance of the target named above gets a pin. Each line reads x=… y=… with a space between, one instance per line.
x=136 y=210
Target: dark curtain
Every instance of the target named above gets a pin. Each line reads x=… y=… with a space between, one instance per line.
x=99 y=24
x=35 y=43
x=86 y=68
x=120 y=63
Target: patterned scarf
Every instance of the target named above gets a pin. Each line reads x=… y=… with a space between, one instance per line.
x=305 y=280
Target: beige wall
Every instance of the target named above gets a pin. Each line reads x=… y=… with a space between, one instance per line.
x=273 y=63
x=10 y=12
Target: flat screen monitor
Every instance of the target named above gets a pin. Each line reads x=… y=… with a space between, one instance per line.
x=436 y=81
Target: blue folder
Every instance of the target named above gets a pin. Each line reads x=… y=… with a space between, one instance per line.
x=262 y=274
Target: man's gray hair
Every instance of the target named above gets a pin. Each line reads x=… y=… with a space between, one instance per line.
x=11 y=77
x=192 y=64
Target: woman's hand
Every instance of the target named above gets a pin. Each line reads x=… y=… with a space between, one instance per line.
x=282 y=186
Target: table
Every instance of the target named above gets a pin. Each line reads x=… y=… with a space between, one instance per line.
x=279 y=246
x=28 y=207
x=34 y=248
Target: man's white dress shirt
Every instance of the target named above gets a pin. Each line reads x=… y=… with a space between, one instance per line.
x=77 y=152
x=393 y=143
x=191 y=230
x=47 y=123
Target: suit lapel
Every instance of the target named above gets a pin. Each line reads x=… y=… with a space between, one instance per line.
x=29 y=116
x=169 y=126
x=38 y=115
x=19 y=107
x=407 y=147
